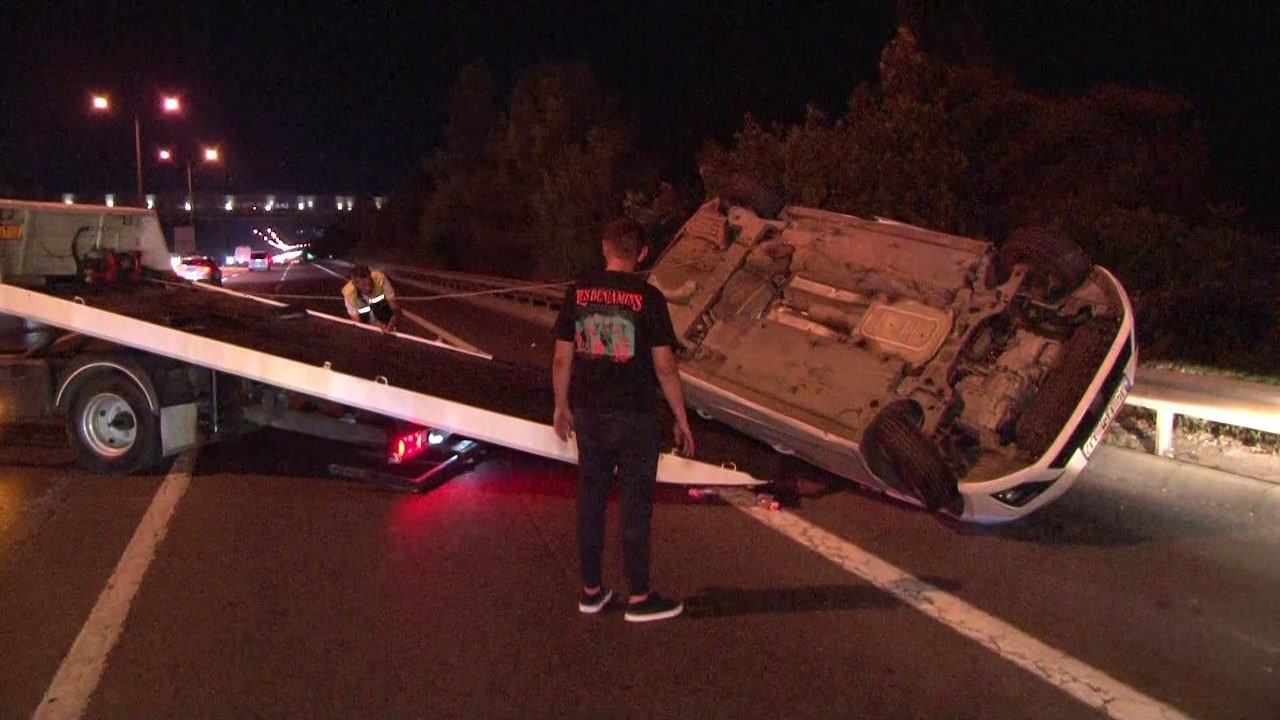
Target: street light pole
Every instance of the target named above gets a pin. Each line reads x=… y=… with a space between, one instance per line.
x=211 y=155
x=170 y=104
x=137 y=153
x=191 y=199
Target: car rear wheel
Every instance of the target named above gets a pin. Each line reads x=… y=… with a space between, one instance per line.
x=900 y=455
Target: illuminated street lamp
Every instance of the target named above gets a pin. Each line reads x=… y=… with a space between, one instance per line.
x=211 y=155
x=169 y=104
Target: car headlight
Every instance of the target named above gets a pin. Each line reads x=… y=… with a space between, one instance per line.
x=1020 y=495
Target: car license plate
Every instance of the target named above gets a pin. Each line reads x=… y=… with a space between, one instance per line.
x=1113 y=408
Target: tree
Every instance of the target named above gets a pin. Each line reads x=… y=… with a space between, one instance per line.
x=531 y=198
x=960 y=147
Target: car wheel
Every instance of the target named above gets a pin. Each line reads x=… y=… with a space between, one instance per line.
x=111 y=427
x=899 y=454
x=1052 y=258
x=753 y=193
x=1064 y=386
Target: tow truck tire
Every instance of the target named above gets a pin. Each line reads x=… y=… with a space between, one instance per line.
x=1050 y=256
x=111 y=427
x=899 y=453
x=748 y=191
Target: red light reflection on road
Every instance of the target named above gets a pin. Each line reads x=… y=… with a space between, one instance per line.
x=501 y=473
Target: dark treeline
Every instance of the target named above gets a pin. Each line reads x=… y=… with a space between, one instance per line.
x=945 y=140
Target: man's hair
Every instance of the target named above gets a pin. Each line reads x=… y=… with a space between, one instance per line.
x=360 y=272
x=624 y=238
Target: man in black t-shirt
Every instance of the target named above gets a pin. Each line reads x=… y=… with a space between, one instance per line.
x=613 y=352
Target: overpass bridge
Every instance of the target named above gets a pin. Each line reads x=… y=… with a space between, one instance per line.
x=174 y=207
x=225 y=221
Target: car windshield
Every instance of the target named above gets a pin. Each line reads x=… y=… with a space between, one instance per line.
x=259 y=256
x=197 y=261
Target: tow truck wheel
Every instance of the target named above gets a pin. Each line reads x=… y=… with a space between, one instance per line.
x=111 y=427
x=899 y=454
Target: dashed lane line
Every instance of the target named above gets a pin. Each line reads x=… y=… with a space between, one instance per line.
x=81 y=670
x=338 y=275
x=1079 y=680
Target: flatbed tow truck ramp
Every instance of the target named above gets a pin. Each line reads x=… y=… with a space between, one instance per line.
x=189 y=350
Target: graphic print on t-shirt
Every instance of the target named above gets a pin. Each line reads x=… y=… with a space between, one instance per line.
x=606 y=336
x=605 y=327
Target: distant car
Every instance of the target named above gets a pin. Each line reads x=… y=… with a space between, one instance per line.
x=259 y=261
x=198 y=268
x=945 y=371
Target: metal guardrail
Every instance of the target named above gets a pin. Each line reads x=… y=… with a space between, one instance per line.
x=1221 y=399
x=1167 y=392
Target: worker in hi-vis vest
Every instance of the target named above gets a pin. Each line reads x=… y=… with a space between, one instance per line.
x=370 y=298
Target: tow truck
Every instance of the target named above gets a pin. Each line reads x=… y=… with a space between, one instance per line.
x=140 y=365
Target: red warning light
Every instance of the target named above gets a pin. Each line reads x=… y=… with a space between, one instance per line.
x=408 y=446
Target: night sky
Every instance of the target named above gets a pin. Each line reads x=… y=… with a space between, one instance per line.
x=350 y=96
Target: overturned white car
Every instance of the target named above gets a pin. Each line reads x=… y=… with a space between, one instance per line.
x=938 y=369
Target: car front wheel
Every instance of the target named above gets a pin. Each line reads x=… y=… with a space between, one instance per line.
x=900 y=454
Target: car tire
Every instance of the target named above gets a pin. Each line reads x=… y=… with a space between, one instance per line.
x=111 y=427
x=901 y=456
x=1060 y=393
x=751 y=192
x=1054 y=259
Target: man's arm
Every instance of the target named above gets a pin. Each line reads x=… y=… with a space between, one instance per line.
x=561 y=374
x=389 y=293
x=352 y=312
x=664 y=363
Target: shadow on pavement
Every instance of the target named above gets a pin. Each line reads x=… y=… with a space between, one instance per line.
x=1130 y=498
x=727 y=602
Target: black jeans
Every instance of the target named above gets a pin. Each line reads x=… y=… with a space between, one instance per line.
x=628 y=441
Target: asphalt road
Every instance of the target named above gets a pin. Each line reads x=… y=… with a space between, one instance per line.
x=274 y=590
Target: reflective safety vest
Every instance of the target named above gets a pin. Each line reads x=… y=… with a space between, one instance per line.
x=376 y=305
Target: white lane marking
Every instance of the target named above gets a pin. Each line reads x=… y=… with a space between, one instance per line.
x=1086 y=684
x=340 y=276
x=68 y=695
x=276 y=288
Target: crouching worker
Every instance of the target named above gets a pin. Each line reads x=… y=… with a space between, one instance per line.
x=370 y=299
